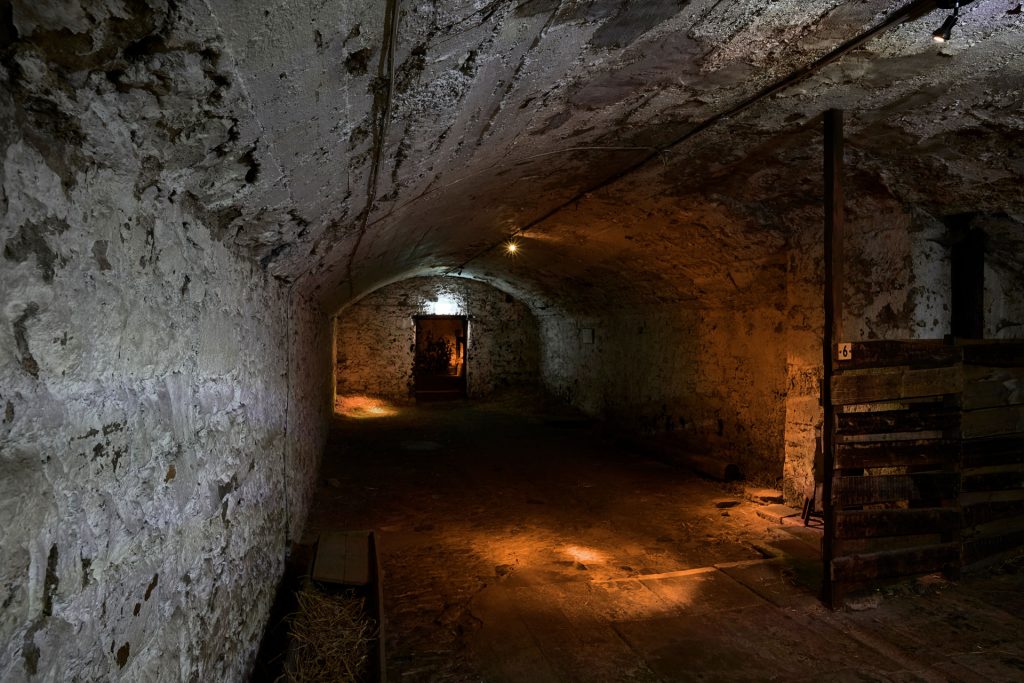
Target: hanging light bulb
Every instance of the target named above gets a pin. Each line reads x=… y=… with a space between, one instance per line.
x=511 y=247
x=944 y=32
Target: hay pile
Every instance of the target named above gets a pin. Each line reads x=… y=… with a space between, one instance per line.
x=330 y=638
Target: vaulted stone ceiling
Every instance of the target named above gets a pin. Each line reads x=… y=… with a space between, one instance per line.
x=344 y=145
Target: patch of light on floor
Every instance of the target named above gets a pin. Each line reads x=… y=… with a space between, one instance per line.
x=583 y=554
x=363 y=407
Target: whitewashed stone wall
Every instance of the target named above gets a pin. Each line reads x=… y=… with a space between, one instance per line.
x=147 y=435
x=375 y=337
x=155 y=437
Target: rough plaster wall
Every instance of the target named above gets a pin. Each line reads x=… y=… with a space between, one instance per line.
x=143 y=404
x=143 y=436
x=309 y=405
x=804 y=323
x=375 y=337
x=1004 y=276
x=714 y=378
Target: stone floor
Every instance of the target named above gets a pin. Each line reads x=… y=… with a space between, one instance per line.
x=522 y=543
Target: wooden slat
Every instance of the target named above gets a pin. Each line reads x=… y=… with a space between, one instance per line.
x=993 y=422
x=979 y=497
x=986 y=387
x=931 y=418
x=875 y=523
x=846 y=547
x=895 y=383
x=983 y=513
x=1003 y=478
x=848 y=491
x=918 y=452
x=892 y=437
x=916 y=354
x=1002 y=354
x=981 y=548
x=1000 y=450
x=895 y=563
x=995 y=528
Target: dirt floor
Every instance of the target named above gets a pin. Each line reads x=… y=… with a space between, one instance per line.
x=522 y=543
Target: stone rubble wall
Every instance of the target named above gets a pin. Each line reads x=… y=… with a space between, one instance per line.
x=375 y=337
x=145 y=389
x=162 y=400
x=713 y=379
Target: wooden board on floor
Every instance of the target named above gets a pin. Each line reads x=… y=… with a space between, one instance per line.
x=343 y=557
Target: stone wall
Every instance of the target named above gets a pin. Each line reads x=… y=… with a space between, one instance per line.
x=155 y=440
x=309 y=407
x=145 y=389
x=714 y=379
x=374 y=337
x=1004 y=276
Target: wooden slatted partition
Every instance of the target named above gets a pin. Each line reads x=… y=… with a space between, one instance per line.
x=928 y=459
x=992 y=498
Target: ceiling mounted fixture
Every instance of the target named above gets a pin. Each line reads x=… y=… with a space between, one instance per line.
x=512 y=247
x=944 y=32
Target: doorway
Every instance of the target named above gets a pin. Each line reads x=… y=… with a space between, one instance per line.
x=439 y=370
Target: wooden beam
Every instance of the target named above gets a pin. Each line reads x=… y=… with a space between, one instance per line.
x=833 y=240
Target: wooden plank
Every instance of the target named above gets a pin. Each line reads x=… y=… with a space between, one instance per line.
x=895 y=383
x=895 y=563
x=995 y=529
x=1000 y=450
x=980 y=497
x=926 y=486
x=919 y=452
x=875 y=523
x=993 y=422
x=894 y=437
x=343 y=557
x=981 y=548
x=924 y=419
x=1002 y=354
x=886 y=353
x=986 y=387
x=984 y=513
x=1004 y=478
x=846 y=547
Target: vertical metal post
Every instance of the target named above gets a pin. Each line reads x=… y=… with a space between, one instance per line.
x=832 y=331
